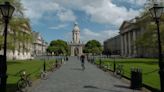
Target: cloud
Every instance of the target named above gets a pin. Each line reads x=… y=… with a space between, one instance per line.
x=87 y=34
x=58 y=26
x=66 y=15
x=102 y=11
x=97 y=11
x=109 y=13
x=36 y=9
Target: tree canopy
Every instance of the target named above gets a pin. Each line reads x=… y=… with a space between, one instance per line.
x=148 y=40
x=17 y=25
x=93 y=46
x=58 y=47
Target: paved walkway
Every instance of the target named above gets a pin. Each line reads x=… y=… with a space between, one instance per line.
x=71 y=78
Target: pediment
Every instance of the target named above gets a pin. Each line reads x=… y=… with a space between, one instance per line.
x=124 y=25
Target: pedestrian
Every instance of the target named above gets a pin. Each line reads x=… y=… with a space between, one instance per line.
x=82 y=58
x=66 y=58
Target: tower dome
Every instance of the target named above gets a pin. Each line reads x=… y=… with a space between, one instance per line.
x=76 y=27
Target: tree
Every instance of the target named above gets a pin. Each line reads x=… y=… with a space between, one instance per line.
x=147 y=42
x=93 y=46
x=58 y=47
x=18 y=7
x=17 y=25
x=21 y=31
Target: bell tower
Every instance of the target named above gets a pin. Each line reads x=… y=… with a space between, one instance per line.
x=76 y=47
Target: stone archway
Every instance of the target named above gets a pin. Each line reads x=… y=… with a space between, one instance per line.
x=76 y=51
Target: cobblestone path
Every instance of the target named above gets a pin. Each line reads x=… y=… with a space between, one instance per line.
x=71 y=78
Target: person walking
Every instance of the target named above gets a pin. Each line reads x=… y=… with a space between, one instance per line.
x=82 y=58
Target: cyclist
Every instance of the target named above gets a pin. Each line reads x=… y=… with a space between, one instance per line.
x=82 y=58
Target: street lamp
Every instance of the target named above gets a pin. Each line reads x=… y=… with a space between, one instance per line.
x=44 y=64
x=114 y=67
x=6 y=11
x=156 y=12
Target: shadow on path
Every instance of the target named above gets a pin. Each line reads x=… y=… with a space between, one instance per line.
x=122 y=86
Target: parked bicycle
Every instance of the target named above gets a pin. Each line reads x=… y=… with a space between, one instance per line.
x=43 y=75
x=24 y=81
x=106 y=67
x=119 y=71
x=53 y=67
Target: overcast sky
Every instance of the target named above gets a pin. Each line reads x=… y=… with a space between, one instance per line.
x=97 y=19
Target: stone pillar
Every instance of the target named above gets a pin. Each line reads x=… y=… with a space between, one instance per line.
x=80 y=50
x=122 y=45
x=129 y=43
x=134 y=46
x=125 y=44
x=72 y=51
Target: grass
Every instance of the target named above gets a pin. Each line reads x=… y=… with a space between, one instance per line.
x=149 y=69
x=33 y=67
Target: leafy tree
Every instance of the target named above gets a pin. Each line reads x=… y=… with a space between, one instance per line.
x=147 y=42
x=17 y=25
x=93 y=46
x=58 y=47
x=18 y=7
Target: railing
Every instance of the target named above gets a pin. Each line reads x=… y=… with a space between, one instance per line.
x=106 y=65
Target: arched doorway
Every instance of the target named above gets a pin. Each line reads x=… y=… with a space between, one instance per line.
x=76 y=51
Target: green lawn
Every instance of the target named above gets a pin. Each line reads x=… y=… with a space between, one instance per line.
x=149 y=69
x=33 y=67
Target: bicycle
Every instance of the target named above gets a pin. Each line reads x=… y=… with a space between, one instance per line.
x=24 y=82
x=83 y=66
x=107 y=67
x=52 y=67
x=43 y=75
x=119 y=71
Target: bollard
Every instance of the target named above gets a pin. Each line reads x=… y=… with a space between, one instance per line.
x=93 y=60
x=56 y=63
x=136 y=78
x=61 y=61
x=44 y=66
x=66 y=58
x=100 y=62
x=114 y=65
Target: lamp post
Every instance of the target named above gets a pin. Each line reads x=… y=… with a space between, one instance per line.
x=114 y=68
x=156 y=12
x=7 y=11
x=44 y=64
x=114 y=65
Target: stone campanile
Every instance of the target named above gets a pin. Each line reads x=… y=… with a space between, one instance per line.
x=76 y=47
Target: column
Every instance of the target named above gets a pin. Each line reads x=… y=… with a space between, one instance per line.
x=129 y=43
x=80 y=50
x=125 y=44
x=134 y=46
x=72 y=51
x=79 y=36
x=122 y=45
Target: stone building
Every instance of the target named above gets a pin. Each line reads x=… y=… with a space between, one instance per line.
x=112 y=46
x=24 y=44
x=39 y=45
x=129 y=32
x=17 y=47
x=76 y=47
